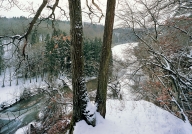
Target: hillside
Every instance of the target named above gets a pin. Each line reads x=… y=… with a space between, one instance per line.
x=17 y=25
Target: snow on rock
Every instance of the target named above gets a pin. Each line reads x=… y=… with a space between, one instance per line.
x=90 y=112
x=25 y=129
x=134 y=117
x=22 y=130
x=91 y=108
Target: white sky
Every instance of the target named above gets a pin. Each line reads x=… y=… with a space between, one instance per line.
x=27 y=8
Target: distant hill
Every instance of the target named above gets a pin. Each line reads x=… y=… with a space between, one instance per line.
x=18 y=25
x=124 y=35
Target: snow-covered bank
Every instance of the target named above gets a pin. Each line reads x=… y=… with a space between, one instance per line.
x=124 y=52
x=134 y=117
x=123 y=67
x=128 y=116
x=11 y=94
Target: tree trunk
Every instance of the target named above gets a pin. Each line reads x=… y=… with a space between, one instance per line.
x=105 y=58
x=80 y=98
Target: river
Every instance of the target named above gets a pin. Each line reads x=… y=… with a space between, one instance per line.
x=26 y=111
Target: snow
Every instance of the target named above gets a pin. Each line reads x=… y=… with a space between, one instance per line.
x=11 y=94
x=124 y=116
x=127 y=116
x=67 y=81
x=134 y=117
x=90 y=112
x=22 y=130
x=124 y=53
x=91 y=107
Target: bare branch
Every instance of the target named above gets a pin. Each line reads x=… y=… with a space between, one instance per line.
x=92 y=12
x=93 y=2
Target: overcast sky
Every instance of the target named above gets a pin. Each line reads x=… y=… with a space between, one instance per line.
x=27 y=8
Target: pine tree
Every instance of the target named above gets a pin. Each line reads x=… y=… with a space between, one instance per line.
x=34 y=37
x=1 y=57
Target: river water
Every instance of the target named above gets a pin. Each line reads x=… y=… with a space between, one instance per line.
x=26 y=111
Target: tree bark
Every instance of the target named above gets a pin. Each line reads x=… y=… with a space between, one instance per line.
x=105 y=58
x=80 y=98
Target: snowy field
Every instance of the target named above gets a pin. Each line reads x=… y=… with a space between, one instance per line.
x=133 y=117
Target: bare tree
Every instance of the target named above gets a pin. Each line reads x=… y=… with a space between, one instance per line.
x=163 y=51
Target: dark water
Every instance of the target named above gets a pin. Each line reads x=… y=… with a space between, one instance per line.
x=91 y=85
x=20 y=114
x=26 y=111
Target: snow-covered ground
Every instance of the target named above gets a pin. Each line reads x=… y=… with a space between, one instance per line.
x=128 y=116
x=10 y=94
x=133 y=117
x=124 y=54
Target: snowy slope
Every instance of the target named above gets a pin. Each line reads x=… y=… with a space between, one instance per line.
x=133 y=117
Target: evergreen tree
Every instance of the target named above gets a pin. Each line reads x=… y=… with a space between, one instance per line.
x=92 y=49
x=57 y=52
x=50 y=55
x=47 y=38
x=34 y=37
x=1 y=57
